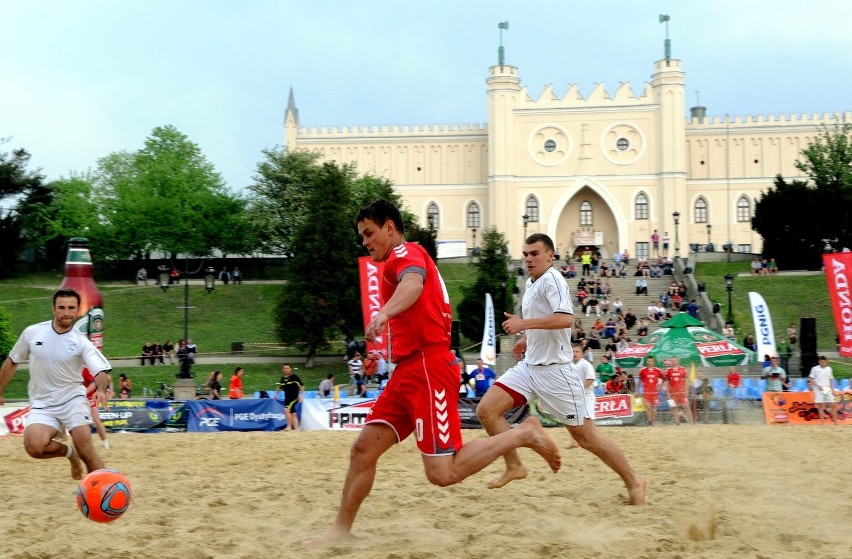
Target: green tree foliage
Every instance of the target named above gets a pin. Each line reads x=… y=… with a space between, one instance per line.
x=322 y=297
x=823 y=205
x=492 y=276
x=166 y=197
x=15 y=180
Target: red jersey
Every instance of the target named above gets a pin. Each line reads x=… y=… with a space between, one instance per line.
x=733 y=379
x=429 y=320
x=677 y=379
x=88 y=379
x=650 y=377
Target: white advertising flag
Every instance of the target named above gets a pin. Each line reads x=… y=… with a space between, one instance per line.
x=763 y=330
x=488 y=351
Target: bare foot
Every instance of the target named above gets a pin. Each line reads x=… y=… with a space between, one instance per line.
x=76 y=465
x=509 y=475
x=334 y=535
x=636 y=493
x=542 y=444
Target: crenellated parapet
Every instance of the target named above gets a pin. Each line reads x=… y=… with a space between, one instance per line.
x=342 y=133
x=749 y=121
x=597 y=97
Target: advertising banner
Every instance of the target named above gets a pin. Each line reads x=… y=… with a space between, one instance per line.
x=488 y=350
x=13 y=418
x=264 y=414
x=467 y=413
x=798 y=408
x=838 y=266
x=135 y=415
x=610 y=409
x=762 y=325
x=370 y=274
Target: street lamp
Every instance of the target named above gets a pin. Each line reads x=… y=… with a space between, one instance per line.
x=676 y=216
x=729 y=285
x=709 y=243
x=209 y=281
x=526 y=219
x=473 y=230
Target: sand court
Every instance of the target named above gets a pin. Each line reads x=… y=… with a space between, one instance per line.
x=714 y=491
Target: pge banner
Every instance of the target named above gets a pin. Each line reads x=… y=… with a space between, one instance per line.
x=798 y=408
x=13 y=418
x=264 y=414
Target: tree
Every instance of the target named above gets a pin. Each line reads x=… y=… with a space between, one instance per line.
x=165 y=197
x=322 y=297
x=15 y=180
x=823 y=206
x=7 y=339
x=492 y=276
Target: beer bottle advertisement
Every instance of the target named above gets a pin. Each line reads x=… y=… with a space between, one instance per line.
x=78 y=276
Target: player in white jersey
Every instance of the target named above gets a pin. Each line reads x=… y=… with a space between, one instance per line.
x=546 y=371
x=590 y=378
x=57 y=353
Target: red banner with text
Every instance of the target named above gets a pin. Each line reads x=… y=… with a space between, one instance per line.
x=371 y=298
x=838 y=267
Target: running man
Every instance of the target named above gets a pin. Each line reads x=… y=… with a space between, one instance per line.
x=57 y=353
x=546 y=371
x=422 y=394
x=675 y=387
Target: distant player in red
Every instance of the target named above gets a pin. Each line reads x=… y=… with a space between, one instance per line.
x=677 y=391
x=651 y=377
x=422 y=394
x=733 y=379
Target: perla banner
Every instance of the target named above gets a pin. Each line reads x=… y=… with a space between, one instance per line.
x=488 y=351
x=764 y=332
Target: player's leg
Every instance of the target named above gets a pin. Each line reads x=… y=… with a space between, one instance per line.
x=39 y=441
x=592 y=439
x=490 y=412
x=373 y=441
x=294 y=413
x=85 y=449
x=479 y=453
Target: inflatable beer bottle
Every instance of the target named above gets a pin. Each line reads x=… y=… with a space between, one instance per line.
x=78 y=276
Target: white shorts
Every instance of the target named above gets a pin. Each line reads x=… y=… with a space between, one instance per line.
x=73 y=413
x=558 y=388
x=821 y=397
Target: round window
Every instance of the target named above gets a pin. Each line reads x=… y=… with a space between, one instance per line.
x=622 y=144
x=549 y=146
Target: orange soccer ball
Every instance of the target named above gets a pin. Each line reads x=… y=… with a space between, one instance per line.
x=103 y=495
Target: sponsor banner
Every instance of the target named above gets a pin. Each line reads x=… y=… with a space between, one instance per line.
x=798 y=408
x=135 y=415
x=633 y=355
x=488 y=350
x=371 y=299
x=13 y=418
x=838 y=268
x=762 y=320
x=467 y=413
x=264 y=414
x=610 y=409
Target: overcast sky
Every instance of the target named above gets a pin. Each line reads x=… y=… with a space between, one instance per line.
x=81 y=79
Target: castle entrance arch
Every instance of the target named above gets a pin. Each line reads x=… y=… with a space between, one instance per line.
x=587 y=222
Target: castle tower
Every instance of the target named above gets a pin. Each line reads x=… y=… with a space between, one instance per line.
x=668 y=89
x=291 y=122
x=503 y=91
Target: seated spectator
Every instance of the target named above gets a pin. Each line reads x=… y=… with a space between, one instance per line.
x=617 y=306
x=191 y=350
x=733 y=378
x=664 y=299
x=773 y=267
x=672 y=289
x=591 y=304
x=676 y=301
x=593 y=339
x=728 y=332
x=681 y=289
x=360 y=387
x=158 y=353
x=755 y=266
x=610 y=349
x=609 y=328
x=643 y=328
x=622 y=270
x=629 y=384
x=630 y=319
x=641 y=286
x=616 y=385
x=656 y=271
x=355 y=365
x=169 y=351
x=604 y=306
x=606 y=288
x=369 y=366
x=581 y=296
x=578 y=334
x=598 y=325
x=142 y=276
x=622 y=344
x=326 y=387
x=124 y=386
x=147 y=353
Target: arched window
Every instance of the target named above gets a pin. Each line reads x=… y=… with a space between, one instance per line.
x=700 y=210
x=585 y=213
x=433 y=216
x=532 y=208
x=641 y=206
x=473 y=215
x=743 y=209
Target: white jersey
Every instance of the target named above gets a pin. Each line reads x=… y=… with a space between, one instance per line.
x=822 y=376
x=543 y=297
x=56 y=363
x=587 y=372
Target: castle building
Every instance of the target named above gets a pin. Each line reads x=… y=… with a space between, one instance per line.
x=603 y=171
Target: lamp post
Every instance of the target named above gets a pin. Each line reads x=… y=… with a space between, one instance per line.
x=709 y=228
x=473 y=230
x=729 y=285
x=526 y=219
x=676 y=216
x=209 y=284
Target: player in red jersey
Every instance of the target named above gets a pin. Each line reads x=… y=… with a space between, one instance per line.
x=89 y=383
x=422 y=394
x=651 y=377
x=675 y=387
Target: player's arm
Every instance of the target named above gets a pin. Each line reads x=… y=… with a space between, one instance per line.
x=101 y=387
x=407 y=292
x=6 y=371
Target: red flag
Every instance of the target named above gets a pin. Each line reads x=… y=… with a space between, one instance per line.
x=838 y=268
x=371 y=298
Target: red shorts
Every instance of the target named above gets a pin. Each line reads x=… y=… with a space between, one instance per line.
x=652 y=397
x=422 y=397
x=679 y=397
